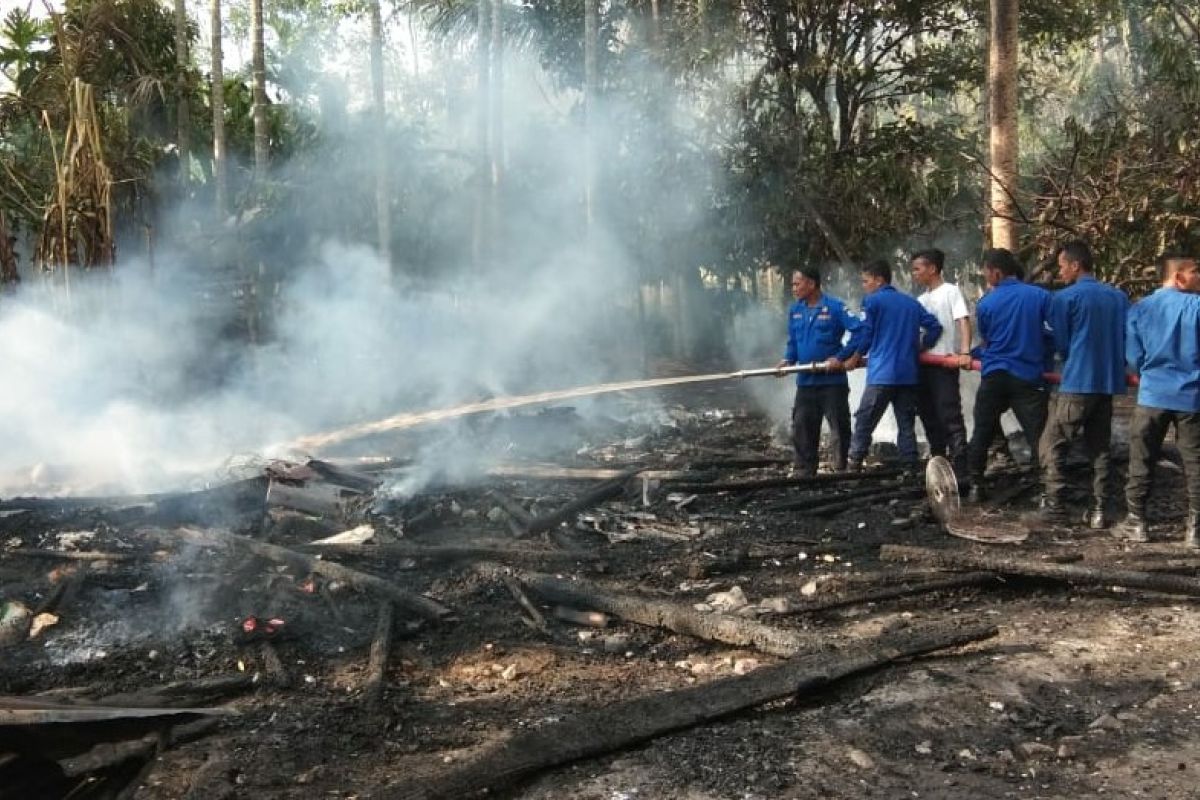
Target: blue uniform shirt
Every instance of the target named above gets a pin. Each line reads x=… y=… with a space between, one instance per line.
x=1088 y=320
x=1162 y=345
x=891 y=337
x=815 y=333
x=1012 y=322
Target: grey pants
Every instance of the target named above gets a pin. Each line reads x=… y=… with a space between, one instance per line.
x=1147 y=430
x=1073 y=417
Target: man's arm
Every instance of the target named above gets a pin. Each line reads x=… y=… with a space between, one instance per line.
x=1060 y=324
x=854 y=326
x=789 y=354
x=1135 y=352
x=932 y=328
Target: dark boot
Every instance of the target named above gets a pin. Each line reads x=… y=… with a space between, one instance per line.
x=1050 y=514
x=1094 y=517
x=1133 y=527
x=1191 y=531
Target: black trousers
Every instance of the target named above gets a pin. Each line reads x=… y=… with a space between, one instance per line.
x=939 y=404
x=998 y=392
x=1072 y=417
x=812 y=404
x=1147 y=430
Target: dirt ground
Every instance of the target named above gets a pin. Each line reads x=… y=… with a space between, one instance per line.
x=1086 y=691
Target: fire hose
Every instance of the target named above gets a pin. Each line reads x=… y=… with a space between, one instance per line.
x=926 y=359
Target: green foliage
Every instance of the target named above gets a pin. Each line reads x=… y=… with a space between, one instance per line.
x=1128 y=177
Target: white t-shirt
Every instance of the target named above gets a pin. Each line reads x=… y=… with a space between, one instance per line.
x=947 y=304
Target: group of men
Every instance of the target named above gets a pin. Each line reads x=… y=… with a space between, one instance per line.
x=1101 y=342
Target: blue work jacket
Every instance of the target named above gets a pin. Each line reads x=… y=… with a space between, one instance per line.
x=1012 y=320
x=1162 y=345
x=892 y=338
x=815 y=333
x=1088 y=321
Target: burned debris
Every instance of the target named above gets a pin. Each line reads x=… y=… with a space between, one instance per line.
x=306 y=631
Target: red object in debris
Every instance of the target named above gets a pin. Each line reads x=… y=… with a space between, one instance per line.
x=253 y=625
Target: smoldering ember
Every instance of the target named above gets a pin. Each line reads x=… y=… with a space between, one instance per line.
x=602 y=400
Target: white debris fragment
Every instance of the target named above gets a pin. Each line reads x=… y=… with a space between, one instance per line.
x=360 y=535
x=729 y=601
x=860 y=759
x=41 y=622
x=71 y=540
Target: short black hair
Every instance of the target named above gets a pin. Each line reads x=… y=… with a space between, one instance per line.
x=1163 y=262
x=933 y=256
x=1002 y=259
x=878 y=269
x=812 y=273
x=1078 y=252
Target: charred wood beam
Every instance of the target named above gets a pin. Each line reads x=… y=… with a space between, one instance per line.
x=894 y=592
x=673 y=616
x=587 y=619
x=476 y=551
x=879 y=498
x=605 y=491
x=736 y=462
x=705 y=565
x=417 y=604
x=806 y=503
x=277 y=674
x=182 y=694
x=381 y=646
x=780 y=483
x=68 y=555
x=515 y=511
x=630 y=722
x=109 y=754
x=1071 y=573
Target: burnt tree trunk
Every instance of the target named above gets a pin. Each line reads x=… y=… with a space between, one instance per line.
x=673 y=616
x=1071 y=573
x=620 y=725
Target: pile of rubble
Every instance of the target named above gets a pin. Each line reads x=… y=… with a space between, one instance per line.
x=467 y=637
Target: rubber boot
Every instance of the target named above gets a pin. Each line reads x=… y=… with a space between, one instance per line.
x=1094 y=517
x=1133 y=527
x=1191 y=531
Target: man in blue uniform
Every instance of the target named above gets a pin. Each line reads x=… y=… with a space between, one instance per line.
x=817 y=323
x=1162 y=345
x=1088 y=322
x=895 y=329
x=1012 y=323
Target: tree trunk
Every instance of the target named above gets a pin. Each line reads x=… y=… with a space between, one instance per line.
x=590 y=31
x=259 y=66
x=483 y=62
x=220 y=181
x=496 y=130
x=1002 y=99
x=183 y=115
x=383 y=194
